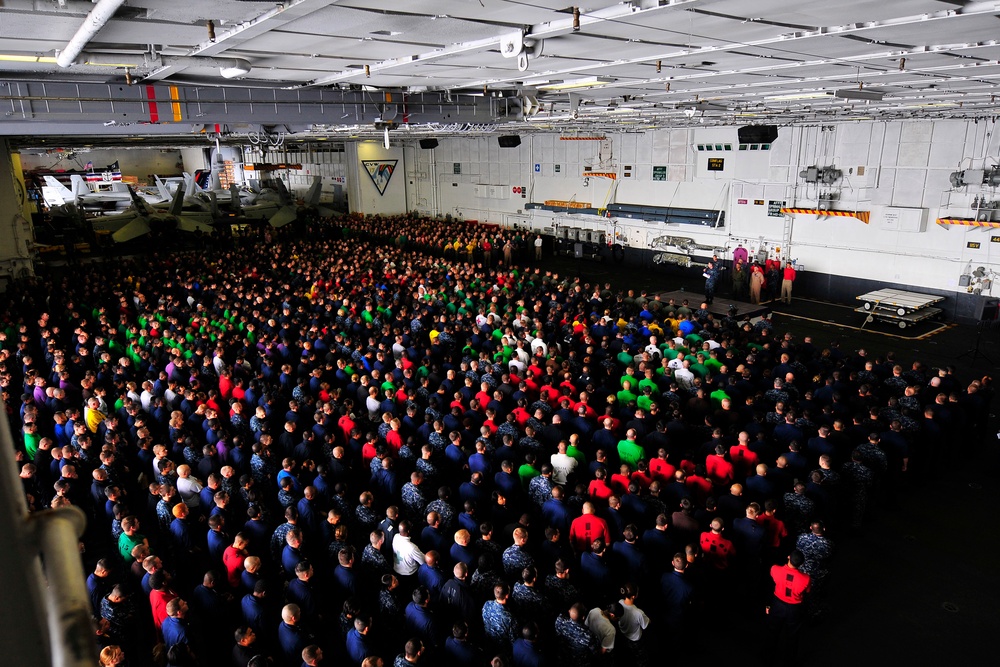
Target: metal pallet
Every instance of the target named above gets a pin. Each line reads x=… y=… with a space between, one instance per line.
x=896 y=301
x=902 y=321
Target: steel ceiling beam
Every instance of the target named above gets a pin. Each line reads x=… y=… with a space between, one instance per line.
x=143 y=107
x=784 y=38
x=274 y=18
x=633 y=8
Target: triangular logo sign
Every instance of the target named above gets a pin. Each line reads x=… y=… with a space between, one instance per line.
x=380 y=172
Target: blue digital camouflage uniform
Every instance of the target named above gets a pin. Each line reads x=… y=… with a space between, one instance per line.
x=515 y=559
x=540 y=490
x=278 y=540
x=560 y=592
x=498 y=623
x=576 y=640
x=413 y=500
x=527 y=602
x=444 y=510
x=374 y=562
x=367 y=519
x=817 y=550
x=859 y=480
x=798 y=512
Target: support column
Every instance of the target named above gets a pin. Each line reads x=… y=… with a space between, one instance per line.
x=15 y=229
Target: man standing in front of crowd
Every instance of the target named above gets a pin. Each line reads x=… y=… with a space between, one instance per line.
x=787 y=278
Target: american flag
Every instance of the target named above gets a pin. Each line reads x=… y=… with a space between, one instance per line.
x=90 y=165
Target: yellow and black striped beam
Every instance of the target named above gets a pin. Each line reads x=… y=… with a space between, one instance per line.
x=863 y=216
x=966 y=223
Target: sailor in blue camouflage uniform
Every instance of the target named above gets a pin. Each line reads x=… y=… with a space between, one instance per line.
x=489 y=547
x=413 y=498
x=817 y=549
x=777 y=394
x=278 y=537
x=373 y=561
x=540 y=488
x=443 y=508
x=364 y=514
x=425 y=464
x=498 y=622
x=574 y=638
x=529 y=444
x=763 y=327
x=437 y=438
x=858 y=480
x=508 y=429
x=896 y=383
x=410 y=655
x=516 y=556
x=799 y=509
x=528 y=602
x=390 y=609
x=872 y=456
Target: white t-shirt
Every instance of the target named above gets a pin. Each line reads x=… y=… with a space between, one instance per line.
x=602 y=628
x=189 y=488
x=406 y=557
x=632 y=622
x=684 y=378
x=563 y=466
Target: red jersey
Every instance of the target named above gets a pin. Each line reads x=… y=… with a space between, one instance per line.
x=790 y=585
x=599 y=490
x=394 y=440
x=642 y=479
x=158 y=601
x=585 y=529
x=774 y=530
x=484 y=400
x=620 y=482
x=744 y=459
x=700 y=487
x=232 y=558
x=719 y=469
x=662 y=470
x=225 y=387
x=345 y=424
x=717 y=549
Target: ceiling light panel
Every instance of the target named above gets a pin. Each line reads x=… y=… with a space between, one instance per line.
x=18 y=24
x=337 y=20
x=118 y=32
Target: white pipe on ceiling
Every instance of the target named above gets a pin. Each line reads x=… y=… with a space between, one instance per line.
x=96 y=19
x=231 y=66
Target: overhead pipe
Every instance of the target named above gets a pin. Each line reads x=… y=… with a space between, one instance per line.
x=96 y=19
x=229 y=67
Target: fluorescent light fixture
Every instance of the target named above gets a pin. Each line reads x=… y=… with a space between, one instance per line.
x=851 y=94
x=798 y=96
x=91 y=61
x=13 y=58
x=586 y=82
x=238 y=69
